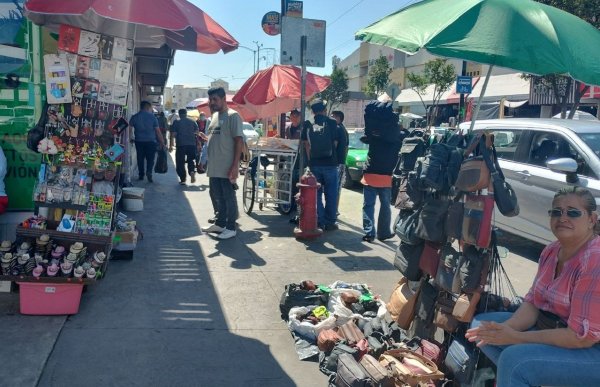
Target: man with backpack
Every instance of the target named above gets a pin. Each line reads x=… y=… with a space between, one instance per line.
x=321 y=139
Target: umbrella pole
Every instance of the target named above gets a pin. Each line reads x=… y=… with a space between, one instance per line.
x=302 y=100
x=480 y=100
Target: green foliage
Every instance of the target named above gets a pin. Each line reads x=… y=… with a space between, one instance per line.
x=588 y=10
x=379 y=77
x=337 y=91
x=437 y=72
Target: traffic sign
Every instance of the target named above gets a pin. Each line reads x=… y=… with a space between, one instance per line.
x=464 y=84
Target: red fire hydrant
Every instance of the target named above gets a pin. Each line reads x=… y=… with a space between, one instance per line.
x=307 y=207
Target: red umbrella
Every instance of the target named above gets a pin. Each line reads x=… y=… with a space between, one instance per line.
x=247 y=113
x=276 y=90
x=177 y=23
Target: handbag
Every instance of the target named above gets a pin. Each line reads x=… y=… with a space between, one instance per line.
x=402 y=303
x=380 y=376
x=469 y=275
x=350 y=373
x=350 y=332
x=461 y=360
x=406 y=226
x=549 y=320
x=430 y=258
x=407 y=260
x=428 y=349
x=426 y=302
x=504 y=195
x=401 y=199
x=449 y=259
x=410 y=367
x=454 y=219
x=38 y=132
x=474 y=174
x=431 y=221
x=443 y=315
x=465 y=307
x=328 y=361
x=297 y=295
x=477 y=220
x=327 y=339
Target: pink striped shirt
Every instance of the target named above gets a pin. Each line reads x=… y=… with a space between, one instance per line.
x=575 y=294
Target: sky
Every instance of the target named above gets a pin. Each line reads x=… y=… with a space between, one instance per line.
x=242 y=19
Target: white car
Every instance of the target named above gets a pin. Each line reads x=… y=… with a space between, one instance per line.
x=249 y=132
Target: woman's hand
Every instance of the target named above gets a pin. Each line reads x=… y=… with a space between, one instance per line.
x=493 y=333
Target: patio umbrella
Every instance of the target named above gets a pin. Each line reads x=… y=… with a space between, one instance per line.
x=277 y=89
x=246 y=112
x=176 y=23
x=519 y=34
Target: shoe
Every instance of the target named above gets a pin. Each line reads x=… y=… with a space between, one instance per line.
x=331 y=227
x=213 y=228
x=182 y=183
x=150 y=179
x=193 y=178
x=368 y=238
x=385 y=238
x=141 y=177
x=226 y=234
x=212 y=220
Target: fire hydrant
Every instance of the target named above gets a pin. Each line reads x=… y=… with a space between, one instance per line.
x=307 y=207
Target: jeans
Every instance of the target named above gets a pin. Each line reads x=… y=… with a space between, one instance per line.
x=146 y=151
x=385 y=212
x=185 y=154
x=521 y=365
x=328 y=177
x=224 y=194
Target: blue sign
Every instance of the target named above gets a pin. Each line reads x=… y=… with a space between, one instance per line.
x=464 y=85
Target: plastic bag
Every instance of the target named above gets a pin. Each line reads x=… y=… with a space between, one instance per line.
x=162 y=166
x=305 y=329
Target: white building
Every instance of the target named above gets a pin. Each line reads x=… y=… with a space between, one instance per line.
x=178 y=96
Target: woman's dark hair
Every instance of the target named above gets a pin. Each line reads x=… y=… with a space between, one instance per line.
x=589 y=202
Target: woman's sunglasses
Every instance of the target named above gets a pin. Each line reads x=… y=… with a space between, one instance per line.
x=571 y=212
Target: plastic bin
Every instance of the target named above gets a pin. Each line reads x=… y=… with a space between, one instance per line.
x=49 y=298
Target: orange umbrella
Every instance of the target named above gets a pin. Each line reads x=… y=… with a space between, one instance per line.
x=246 y=113
x=276 y=90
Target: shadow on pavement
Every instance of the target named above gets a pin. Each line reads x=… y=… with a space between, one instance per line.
x=516 y=244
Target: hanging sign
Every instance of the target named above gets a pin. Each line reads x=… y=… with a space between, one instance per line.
x=293 y=8
x=271 y=23
x=58 y=83
x=464 y=84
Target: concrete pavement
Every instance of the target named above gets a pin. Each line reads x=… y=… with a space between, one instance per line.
x=190 y=310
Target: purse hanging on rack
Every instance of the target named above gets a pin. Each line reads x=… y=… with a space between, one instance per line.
x=477 y=219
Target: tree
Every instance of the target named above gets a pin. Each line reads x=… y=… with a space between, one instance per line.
x=438 y=73
x=588 y=10
x=379 y=77
x=337 y=91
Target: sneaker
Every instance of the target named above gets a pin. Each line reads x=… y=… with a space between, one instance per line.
x=385 y=238
x=331 y=227
x=213 y=228
x=368 y=238
x=193 y=178
x=150 y=179
x=226 y=234
x=182 y=182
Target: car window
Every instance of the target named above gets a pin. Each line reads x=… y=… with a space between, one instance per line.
x=506 y=142
x=548 y=146
x=354 y=141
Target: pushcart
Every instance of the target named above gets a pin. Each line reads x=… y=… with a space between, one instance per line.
x=269 y=176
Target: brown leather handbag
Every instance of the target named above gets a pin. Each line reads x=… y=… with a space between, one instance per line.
x=402 y=304
x=443 y=317
x=409 y=367
x=465 y=307
x=351 y=333
x=327 y=339
x=380 y=375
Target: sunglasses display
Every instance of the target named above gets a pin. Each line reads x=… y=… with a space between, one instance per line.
x=571 y=212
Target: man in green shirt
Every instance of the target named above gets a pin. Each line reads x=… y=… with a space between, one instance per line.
x=224 y=149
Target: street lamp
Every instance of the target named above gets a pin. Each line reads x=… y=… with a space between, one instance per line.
x=254 y=57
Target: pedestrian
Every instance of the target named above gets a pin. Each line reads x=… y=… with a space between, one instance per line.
x=146 y=136
x=342 y=152
x=172 y=118
x=163 y=125
x=224 y=151
x=377 y=183
x=185 y=131
x=294 y=129
x=321 y=139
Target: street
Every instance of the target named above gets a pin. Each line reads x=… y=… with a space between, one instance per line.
x=190 y=310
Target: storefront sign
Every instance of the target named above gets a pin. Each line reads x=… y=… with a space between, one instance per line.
x=464 y=84
x=293 y=8
x=271 y=23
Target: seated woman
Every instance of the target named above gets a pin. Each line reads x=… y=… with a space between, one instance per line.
x=552 y=338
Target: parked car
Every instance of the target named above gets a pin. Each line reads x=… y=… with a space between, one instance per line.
x=539 y=156
x=249 y=132
x=356 y=158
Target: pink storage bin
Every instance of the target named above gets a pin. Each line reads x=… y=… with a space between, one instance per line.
x=49 y=298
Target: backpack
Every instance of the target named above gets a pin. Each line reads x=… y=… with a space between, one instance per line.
x=38 y=132
x=321 y=139
x=412 y=148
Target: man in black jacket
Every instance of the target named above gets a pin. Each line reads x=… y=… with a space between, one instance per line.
x=377 y=181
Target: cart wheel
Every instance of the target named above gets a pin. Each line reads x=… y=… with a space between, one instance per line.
x=248 y=193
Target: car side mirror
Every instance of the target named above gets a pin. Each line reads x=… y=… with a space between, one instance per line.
x=564 y=165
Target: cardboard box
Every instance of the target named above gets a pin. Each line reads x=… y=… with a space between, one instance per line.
x=126 y=237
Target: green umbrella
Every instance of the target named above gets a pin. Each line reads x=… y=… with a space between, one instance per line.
x=520 y=34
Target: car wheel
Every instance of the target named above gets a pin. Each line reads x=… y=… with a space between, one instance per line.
x=347 y=182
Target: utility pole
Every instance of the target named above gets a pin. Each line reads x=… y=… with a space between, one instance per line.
x=461 y=106
x=258 y=46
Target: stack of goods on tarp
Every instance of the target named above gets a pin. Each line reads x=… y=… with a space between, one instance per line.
x=356 y=339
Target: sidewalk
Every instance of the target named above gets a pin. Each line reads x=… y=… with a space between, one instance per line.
x=190 y=310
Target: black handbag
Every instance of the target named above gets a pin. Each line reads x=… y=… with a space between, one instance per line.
x=328 y=362
x=447 y=268
x=461 y=360
x=38 y=132
x=425 y=308
x=295 y=295
x=406 y=226
x=470 y=267
x=432 y=221
x=350 y=373
x=407 y=260
x=504 y=194
x=454 y=219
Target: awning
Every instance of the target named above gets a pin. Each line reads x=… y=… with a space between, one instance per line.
x=453 y=97
x=509 y=86
x=409 y=97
